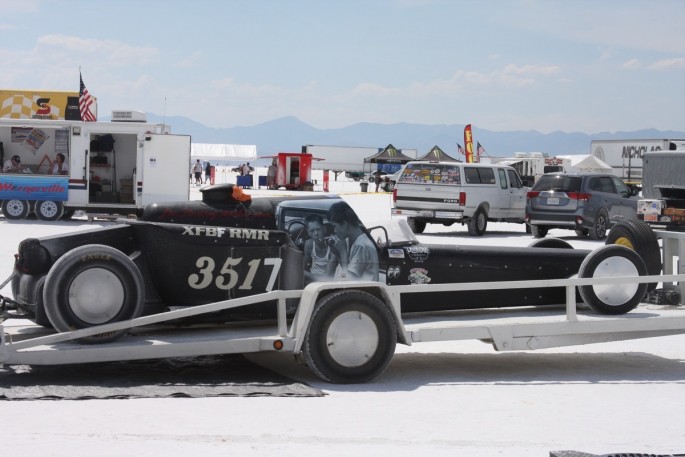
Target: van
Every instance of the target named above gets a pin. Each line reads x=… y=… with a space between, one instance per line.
x=449 y=192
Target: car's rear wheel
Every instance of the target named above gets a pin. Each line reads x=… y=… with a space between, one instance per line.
x=600 y=226
x=15 y=209
x=351 y=337
x=550 y=243
x=416 y=225
x=538 y=231
x=582 y=232
x=93 y=285
x=612 y=261
x=638 y=236
x=478 y=224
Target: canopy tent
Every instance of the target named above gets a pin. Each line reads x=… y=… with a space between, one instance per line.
x=587 y=163
x=206 y=151
x=437 y=155
x=389 y=159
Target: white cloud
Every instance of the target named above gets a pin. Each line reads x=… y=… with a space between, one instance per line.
x=116 y=52
x=632 y=64
x=668 y=64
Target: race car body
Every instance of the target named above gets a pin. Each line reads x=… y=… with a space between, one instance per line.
x=230 y=246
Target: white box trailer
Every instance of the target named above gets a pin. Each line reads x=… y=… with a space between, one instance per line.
x=625 y=156
x=113 y=167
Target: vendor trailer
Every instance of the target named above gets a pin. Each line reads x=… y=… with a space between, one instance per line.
x=113 y=167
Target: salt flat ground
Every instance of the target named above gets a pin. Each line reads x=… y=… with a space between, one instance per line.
x=435 y=399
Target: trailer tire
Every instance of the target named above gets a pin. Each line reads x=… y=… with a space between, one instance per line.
x=351 y=337
x=93 y=285
x=638 y=236
x=608 y=261
x=539 y=231
x=15 y=209
x=478 y=224
x=48 y=210
x=550 y=243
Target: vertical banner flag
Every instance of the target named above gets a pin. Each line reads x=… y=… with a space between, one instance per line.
x=479 y=150
x=85 y=102
x=468 y=140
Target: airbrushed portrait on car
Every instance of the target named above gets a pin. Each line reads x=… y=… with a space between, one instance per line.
x=230 y=245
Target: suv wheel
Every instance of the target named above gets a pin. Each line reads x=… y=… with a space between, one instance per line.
x=599 y=228
x=538 y=231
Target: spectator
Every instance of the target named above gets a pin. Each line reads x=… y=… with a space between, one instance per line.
x=377 y=178
x=13 y=165
x=197 y=169
x=271 y=175
x=208 y=172
x=361 y=261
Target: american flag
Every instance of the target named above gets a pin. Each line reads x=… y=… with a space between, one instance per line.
x=461 y=150
x=480 y=150
x=85 y=101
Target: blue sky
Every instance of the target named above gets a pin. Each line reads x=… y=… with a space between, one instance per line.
x=587 y=66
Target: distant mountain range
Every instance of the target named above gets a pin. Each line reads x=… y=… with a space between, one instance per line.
x=289 y=134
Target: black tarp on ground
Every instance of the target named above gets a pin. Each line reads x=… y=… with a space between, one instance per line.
x=214 y=376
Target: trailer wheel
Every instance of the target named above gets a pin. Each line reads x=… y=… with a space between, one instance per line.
x=612 y=261
x=15 y=209
x=550 y=243
x=416 y=225
x=93 y=285
x=48 y=210
x=68 y=213
x=478 y=223
x=351 y=337
x=638 y=236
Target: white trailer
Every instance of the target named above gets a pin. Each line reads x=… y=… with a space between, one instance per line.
x=353 y=334
x=113 y=167
x=625 y=156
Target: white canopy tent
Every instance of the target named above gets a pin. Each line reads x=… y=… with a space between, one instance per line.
x=587 y=163
x=206 y=151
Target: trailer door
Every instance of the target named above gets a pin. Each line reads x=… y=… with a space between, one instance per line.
x=166 y=161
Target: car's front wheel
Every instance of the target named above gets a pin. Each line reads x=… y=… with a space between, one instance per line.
x=93 y=285
x=600 y=226
x=351 y=338
x=612 y=261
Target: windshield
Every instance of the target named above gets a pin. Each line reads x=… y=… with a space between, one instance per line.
x=430 y=173
x=559 y=183
x=395 y=232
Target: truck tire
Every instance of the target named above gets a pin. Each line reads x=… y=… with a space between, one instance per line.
x=351 y=337
x=478 y=223
x=539 y=231
x=638 y=236
x=48 y=210
x=93 y=285
x=15 y=209
x=416 y=225
x=600 y=226
x=610 y=261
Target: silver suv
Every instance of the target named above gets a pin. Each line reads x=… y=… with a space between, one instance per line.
x=587 y=203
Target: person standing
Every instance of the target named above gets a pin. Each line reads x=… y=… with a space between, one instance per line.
x=271 y=175
x=197 y=169
x=208 y=172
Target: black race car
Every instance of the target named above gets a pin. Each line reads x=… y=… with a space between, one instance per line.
x=229 y=245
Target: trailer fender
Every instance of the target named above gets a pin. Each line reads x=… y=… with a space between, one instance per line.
x=313 y=291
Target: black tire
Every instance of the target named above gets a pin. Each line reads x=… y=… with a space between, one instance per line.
x=48 y=210
x=539 y=231
x=550 y=243
x=15 y=209
x=608 y=261
x=478 y=224
x=600 y=226
x=68 y=213
x=351 y=337
x=582 y=232
x=93 y=285
x=638 y=236
x=416 y=225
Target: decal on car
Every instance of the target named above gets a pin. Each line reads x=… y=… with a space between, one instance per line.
x=219 y=232
x=396 y=253
x=419 y=276
x=393 y=272
x=418 y=253
x=227 y=277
